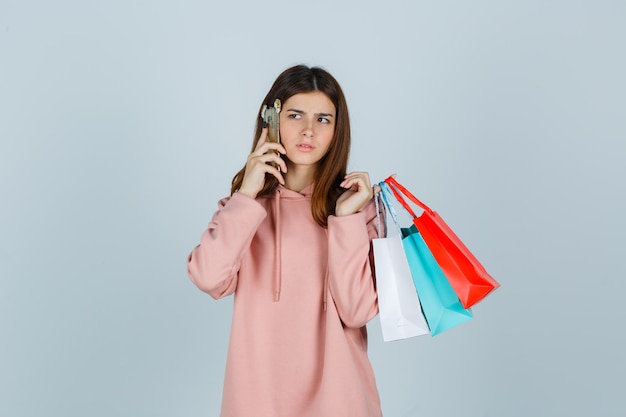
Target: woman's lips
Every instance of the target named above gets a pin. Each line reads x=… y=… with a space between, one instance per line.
x=304 y=147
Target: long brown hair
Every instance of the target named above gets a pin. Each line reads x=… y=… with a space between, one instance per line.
x=331 y=169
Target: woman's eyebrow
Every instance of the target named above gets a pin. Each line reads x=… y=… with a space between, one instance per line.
x=317 y=114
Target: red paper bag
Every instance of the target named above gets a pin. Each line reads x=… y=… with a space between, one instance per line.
x=468 y=277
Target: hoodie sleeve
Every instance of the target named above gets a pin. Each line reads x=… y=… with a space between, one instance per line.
x=213 y=264
x=351 y=280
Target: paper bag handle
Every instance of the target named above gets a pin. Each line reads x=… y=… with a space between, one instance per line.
x=385 y=193
x=398 y=189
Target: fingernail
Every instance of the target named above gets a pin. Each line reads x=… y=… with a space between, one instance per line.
x=264 y=125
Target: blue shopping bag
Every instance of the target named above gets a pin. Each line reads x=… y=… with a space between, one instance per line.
x=441 y=305
x=442 y=308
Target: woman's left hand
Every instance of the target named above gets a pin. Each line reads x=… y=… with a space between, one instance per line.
x=358 y=193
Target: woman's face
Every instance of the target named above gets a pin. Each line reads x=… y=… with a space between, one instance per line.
x=307 y=126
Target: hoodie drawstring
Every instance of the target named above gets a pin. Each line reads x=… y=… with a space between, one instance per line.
x=278 y=251
x=326 y=278
x=277 y=246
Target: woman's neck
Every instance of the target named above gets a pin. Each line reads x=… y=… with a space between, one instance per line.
x=298 y=177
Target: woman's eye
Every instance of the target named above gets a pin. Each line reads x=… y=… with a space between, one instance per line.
x=294 y=116
x=323 y=120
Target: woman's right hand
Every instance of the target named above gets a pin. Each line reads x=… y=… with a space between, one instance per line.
x=259 y=164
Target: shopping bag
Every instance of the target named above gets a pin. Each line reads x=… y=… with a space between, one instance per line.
x=399 y=307
x=468 y=277
x=440 y=304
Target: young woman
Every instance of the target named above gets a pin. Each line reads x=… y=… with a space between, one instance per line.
x=292 y=242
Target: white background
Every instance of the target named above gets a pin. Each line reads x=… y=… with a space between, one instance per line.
x=123 y=122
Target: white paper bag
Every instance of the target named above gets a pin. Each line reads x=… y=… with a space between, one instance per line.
x=399 y=307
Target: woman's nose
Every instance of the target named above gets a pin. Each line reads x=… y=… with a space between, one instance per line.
x=308 y=128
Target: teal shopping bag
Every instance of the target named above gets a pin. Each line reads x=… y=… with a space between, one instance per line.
x=440 y=304
x=442 y=308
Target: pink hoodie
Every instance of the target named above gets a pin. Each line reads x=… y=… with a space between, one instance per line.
x=303 y=295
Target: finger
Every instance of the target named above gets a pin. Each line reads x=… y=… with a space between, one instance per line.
x=358 y=180
x=276 y=146
x=353 y=184
x=347 y=182
x=268 y=158
x=349 y=174
x=358 y=186
x=274 y=158
x=276 y=173
x=363 y=175
x=269 y=146
x=281 y=162
x=265 y=168
x=262 y=139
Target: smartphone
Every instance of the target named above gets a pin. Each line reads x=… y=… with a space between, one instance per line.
x=270 y=116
